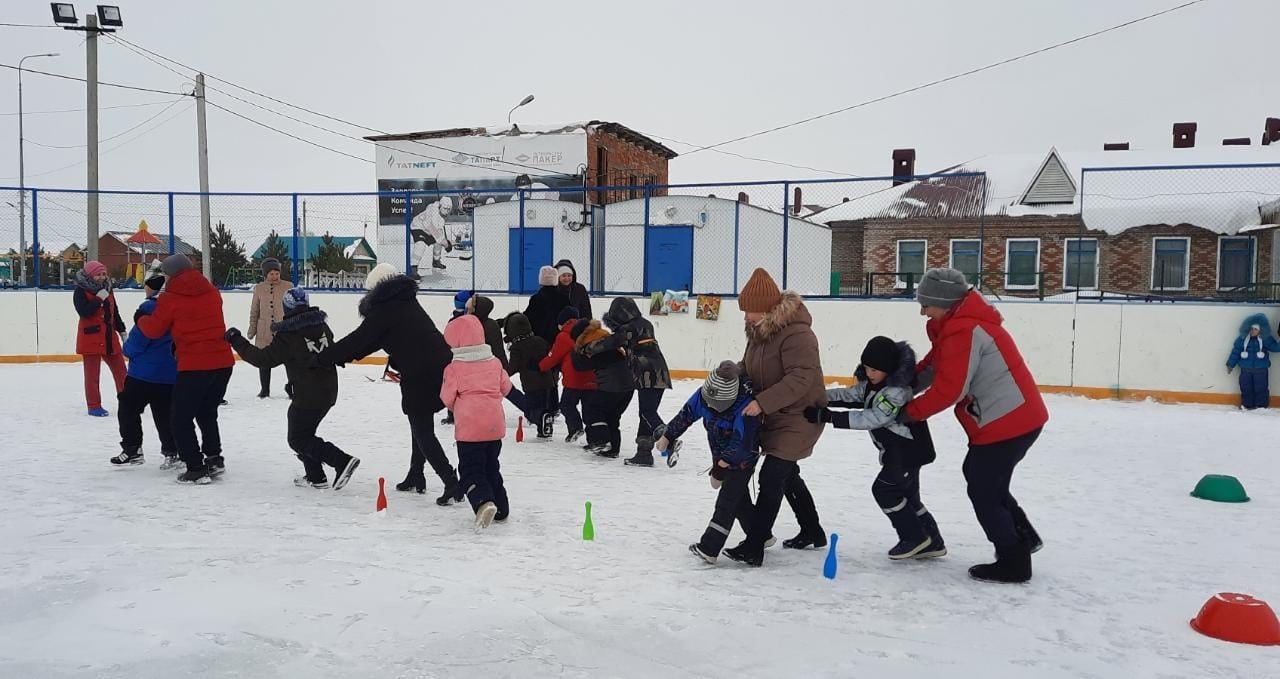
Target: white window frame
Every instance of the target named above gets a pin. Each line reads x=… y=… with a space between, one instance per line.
x=898 y=282
x=951 y=255
x=1253 y=259
x=1186 y=257
x=1039 y=253
x=1097 y=263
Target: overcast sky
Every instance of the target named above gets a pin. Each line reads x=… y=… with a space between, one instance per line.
x=699 y=72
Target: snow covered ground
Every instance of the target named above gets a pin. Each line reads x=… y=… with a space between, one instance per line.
x=120 y=573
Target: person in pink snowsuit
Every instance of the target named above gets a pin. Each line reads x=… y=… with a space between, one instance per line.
x=475 y=384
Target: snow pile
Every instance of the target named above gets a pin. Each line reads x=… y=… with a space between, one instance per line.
x=115 y=574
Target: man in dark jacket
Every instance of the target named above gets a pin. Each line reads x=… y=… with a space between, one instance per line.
x=574 y=292
x=606 y=354
x=395 y=323
x=527 y=350
x=295 y=341
x=482 y=307
x=191 y=310
x=648 y=366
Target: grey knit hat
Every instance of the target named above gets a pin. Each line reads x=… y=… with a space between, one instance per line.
x=941 y=288
x=175 y=264
x=270 y=264
x=720 y=391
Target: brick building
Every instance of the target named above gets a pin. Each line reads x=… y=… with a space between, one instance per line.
x=1025 y=222
x=116 y=253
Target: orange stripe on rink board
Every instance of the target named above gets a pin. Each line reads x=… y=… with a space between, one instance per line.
x=1101 y=393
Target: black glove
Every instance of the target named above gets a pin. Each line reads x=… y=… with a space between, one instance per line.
x=814 y=414
x=232 y=335
x=718 y=473
x=903 y=417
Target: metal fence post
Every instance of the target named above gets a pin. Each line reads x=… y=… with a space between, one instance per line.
x=35 y=237
x=293 y=245
x=786 y=229
x=172 y=226
x=521 y=269
x=644 y=243
x=737 y=221
x=473 y=248
x=408 y=231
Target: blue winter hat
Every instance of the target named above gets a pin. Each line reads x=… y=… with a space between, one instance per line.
x=295 y=298
x=460 y=299
x=567 y=314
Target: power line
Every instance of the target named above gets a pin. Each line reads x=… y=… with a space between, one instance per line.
x=291 y=136
x=758 y=160
x=29 y=26
x=114 y=136
x=103 y=84
x=948 y=79
x=81 y=110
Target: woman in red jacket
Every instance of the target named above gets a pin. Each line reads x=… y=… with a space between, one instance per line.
x=975 y=366
x=190 y=308
x=100 y=334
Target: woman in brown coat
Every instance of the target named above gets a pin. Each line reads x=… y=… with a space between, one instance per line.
x=267 y=308
x=785 y=367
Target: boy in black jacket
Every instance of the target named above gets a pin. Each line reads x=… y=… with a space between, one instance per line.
x=886 y=381
x=481 y=307
x=297 y=340
x=527 y=350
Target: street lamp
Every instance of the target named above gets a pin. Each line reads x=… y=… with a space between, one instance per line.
x=523 y=102
x=22 y=177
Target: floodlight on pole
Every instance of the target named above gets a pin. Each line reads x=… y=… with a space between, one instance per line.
x=22 y=172
x=109 y=16
x=523 y=102
x=64 y=13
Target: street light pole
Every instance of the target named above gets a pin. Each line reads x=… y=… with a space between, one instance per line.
x=91 y=143
x=523 y=102
x=22 y=176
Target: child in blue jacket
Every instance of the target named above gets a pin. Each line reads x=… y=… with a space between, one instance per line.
x=732 y=437
x=1252 y=353
x=152 y=371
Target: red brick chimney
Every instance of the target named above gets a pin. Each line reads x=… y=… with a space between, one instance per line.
x=1184 y=135
x=1236 y=141
x=904 y=165
x=1271 y=132
x=744 y=198
x=1116 y=146
x=796 y=203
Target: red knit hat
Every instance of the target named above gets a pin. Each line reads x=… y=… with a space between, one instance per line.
x=760 y=294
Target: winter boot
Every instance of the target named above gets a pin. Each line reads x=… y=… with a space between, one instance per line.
x=448 y=419
x=413 y=273
x=99 y=412
x=171 y=461
x=195 y=477
x=437 y=264
x=909 y=549
x=452 y=493
x=304 y=482
x=743 y=553
x=696 y=550
x=263 y=393
x=414 y=481
x=644 y=453
x=1026 y=531
x=344 y=475
x=605 y=450
x=288 y=390
x=912 y=536
x=573 y=436
x=1013 y=565
x=936 y=547
x=128 y=457
x=546 y=426
x=485 y=515
x=215 y=466
x=806 y=541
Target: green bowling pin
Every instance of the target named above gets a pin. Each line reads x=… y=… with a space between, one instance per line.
x=588 y=529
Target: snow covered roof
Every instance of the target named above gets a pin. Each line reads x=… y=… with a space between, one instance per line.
x=1116 y=197
x=524 y=130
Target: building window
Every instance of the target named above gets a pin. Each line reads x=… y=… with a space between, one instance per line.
x=910 y=261
x=634 y=191
x=1080 y=264
x=1235 y=262
x=602 y=173
x=1021 y=263
x=965 y=256
x=1170 y=260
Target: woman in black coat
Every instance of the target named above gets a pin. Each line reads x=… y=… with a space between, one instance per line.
x=649 y=368
x=573 y=291
x=545 y=306
x=395 y=323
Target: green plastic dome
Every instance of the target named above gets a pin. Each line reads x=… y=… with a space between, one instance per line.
x=1220 y=488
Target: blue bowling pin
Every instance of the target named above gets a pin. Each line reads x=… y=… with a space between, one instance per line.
x=829 y=568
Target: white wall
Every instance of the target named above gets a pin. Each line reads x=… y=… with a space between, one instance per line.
x=1162 y=347
x=494 y=222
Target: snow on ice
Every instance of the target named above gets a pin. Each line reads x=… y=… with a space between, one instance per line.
x=121 y=573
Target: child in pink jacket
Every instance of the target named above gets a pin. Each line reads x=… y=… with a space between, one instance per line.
x=475 y=384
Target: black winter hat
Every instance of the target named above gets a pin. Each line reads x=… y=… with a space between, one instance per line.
x=881 y=354
x=567 y=314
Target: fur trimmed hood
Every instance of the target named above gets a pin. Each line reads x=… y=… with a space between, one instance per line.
x=590 y=331
x=1260 y=320
x=398 y=287
x=790 y=310
x=904 y=376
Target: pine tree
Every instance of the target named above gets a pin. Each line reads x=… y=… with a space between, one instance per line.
x=276 y=248
x=330 y=257
x=226 y=255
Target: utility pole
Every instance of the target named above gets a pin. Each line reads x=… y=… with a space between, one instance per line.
x=202 y=140
x=91 y=115
x=306 y=243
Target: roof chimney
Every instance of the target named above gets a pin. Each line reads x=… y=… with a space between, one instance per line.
x=1272 y=131
x=744 y=198
x=904 y=165
x=796 y=204
x=1116 y=146
x=1236 y=141
x=1184 y=135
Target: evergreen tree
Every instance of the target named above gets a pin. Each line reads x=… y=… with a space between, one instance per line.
x=226 y=255
x=330 y=257
x=277 y=248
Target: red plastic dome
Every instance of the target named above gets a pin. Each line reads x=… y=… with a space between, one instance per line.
x=1239 y=618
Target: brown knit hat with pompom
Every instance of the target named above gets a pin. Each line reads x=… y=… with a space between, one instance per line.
x=760 y=294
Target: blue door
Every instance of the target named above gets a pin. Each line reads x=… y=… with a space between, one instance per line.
x=522 y=272
x=668 y=258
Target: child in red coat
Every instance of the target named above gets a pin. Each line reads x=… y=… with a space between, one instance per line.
x=577 y=383
x=475 y=384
